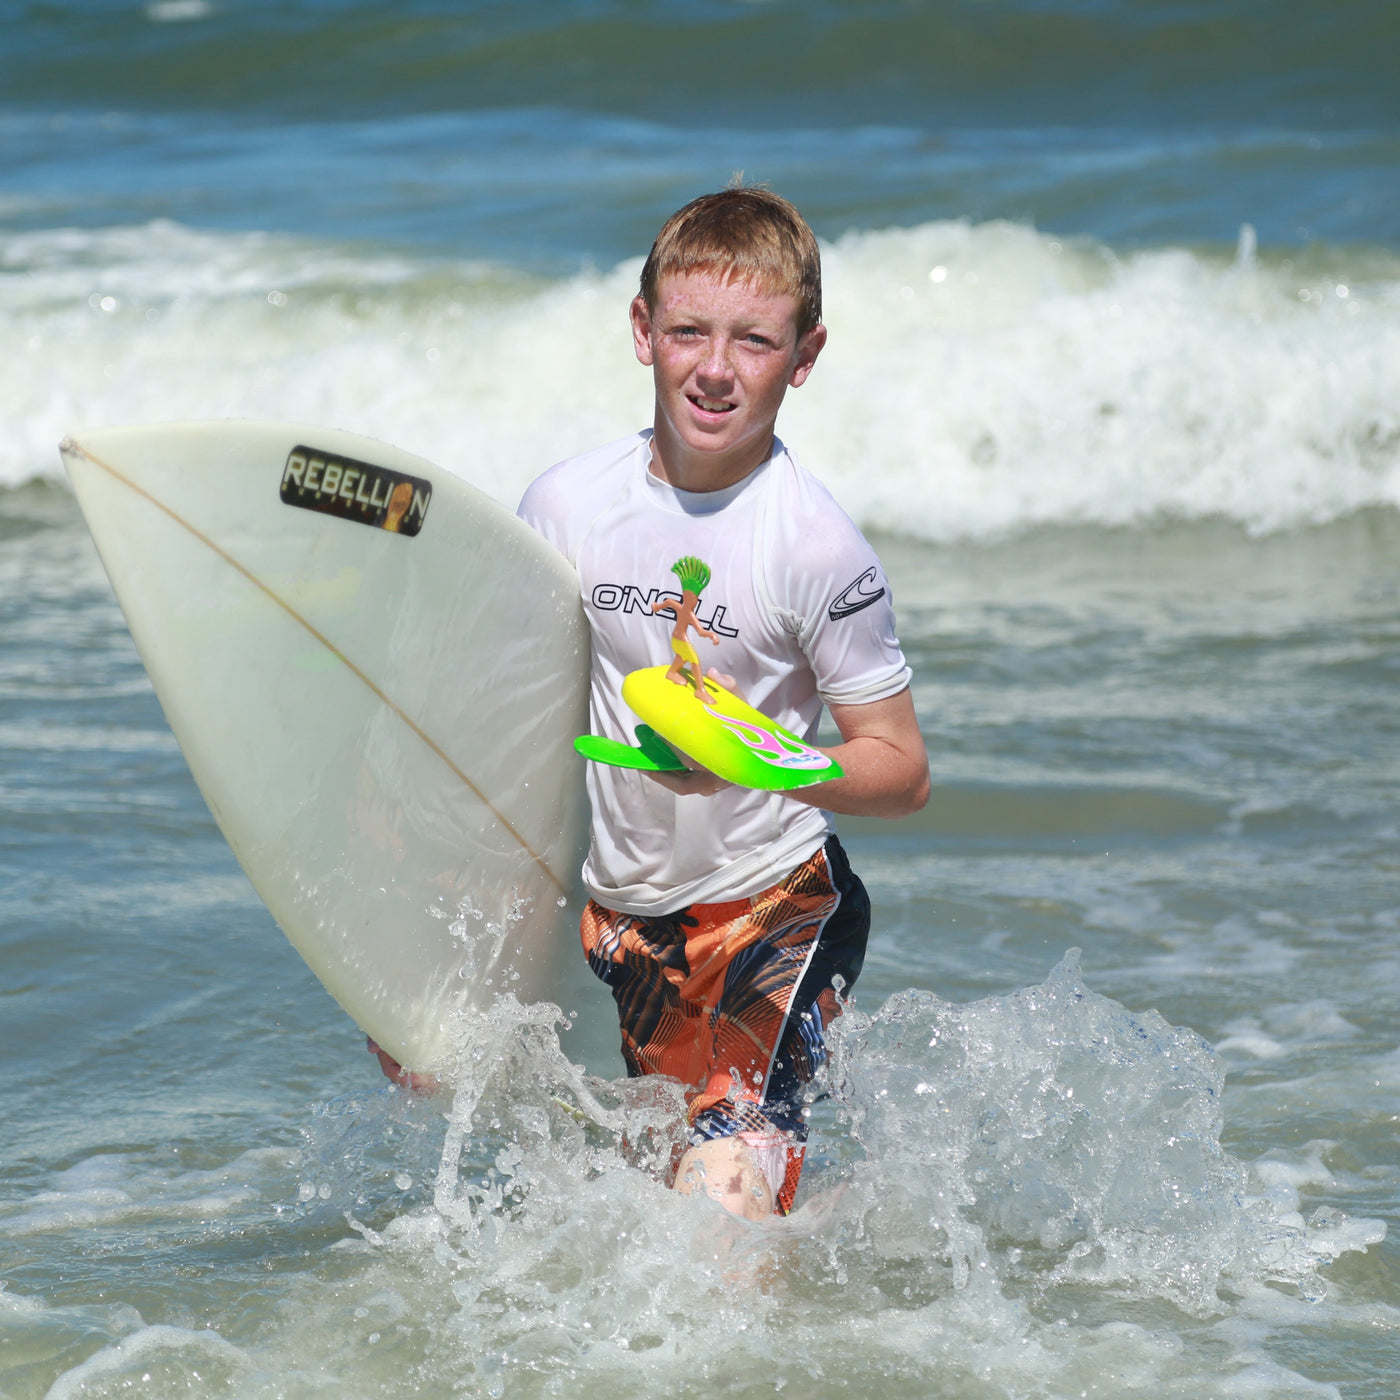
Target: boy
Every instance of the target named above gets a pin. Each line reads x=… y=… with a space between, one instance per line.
x=723 y=919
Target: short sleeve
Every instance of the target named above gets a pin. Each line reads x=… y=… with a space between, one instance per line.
x=830 y=591
x=545 y=509
x=563 y=502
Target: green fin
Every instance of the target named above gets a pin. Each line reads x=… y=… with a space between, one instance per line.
x=653 y=755
x=657 y=749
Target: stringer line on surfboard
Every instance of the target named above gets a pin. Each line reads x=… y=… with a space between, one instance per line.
x=69 y=445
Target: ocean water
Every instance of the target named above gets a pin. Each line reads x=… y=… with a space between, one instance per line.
x=1114 y=298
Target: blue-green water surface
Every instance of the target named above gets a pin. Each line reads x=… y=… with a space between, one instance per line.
x=1114 y=305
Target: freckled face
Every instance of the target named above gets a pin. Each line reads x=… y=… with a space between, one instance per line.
x=722 y=355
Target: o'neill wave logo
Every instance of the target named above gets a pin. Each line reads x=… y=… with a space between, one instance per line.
x=369 y=495
x=855 y=596
x=774 y=749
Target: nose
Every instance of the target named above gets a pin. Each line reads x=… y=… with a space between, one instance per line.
x=717 y=365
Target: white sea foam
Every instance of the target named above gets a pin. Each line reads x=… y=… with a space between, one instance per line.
x=980 y=379
x=1289 y=1028
x=178 y=11
x=982 y=1171
x=125 y=1189
x=161 y=1359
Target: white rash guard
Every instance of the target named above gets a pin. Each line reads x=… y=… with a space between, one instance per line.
x=802 y=609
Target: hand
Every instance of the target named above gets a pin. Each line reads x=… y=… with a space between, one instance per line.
x=699 y=781
x=414 y=1082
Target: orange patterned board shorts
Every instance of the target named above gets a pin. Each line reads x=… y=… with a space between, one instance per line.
x=733 y=1000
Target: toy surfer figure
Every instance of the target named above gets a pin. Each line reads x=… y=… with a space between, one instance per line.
x=694 y=575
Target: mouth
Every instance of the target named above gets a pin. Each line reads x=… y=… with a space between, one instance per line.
x=717 y=406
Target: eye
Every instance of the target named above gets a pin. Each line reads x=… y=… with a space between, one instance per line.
x=759 y=342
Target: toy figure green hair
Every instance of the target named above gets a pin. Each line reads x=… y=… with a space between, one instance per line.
x=693 y=573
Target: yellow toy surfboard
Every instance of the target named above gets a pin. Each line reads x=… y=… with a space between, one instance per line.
x=687 y=711
x=725 y=735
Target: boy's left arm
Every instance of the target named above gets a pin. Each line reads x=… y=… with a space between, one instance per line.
x=883 y=761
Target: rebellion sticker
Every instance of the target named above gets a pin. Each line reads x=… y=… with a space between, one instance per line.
x=388 y=500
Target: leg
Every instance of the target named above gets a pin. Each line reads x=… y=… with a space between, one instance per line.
x=667 y=1028
x=803 y=936
x=643 y=962
x=746 y=986
x=727 y=1170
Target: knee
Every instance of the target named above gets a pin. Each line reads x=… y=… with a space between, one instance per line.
x=727 y=1170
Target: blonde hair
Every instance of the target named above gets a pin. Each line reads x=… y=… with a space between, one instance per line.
x=743 y=234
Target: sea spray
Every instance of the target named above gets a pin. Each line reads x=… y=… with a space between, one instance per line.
x=982 y=1174
x=1062 y=1140
x=981 y=379
x=1019 y=1196
x=547 y=1124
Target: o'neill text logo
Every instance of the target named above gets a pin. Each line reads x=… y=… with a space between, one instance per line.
x=855 y=596
x=370 y=495
x=628 y=598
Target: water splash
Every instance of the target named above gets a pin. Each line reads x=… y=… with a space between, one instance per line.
x=1058 y=1139
x=1021 y=1196
x=981 y=1173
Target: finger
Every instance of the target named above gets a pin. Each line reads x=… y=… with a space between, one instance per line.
x=700 y=783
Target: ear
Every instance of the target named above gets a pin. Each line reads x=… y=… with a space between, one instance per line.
x=641 y=330
x=808 y=348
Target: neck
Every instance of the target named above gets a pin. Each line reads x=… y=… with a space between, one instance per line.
x=687 y=470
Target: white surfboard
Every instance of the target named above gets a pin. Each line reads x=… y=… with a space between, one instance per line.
x=376 y=674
